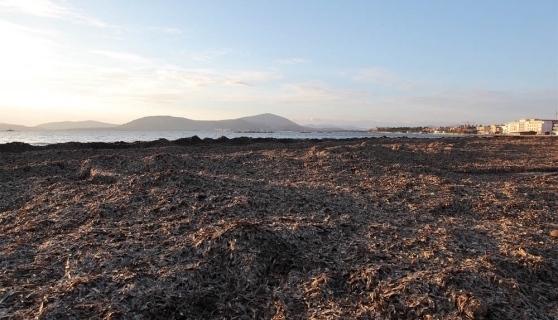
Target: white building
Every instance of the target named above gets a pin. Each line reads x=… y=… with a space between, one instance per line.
x=529 y=126
x=490 y=129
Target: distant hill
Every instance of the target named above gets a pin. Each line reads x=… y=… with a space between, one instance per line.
x=7 y=126
x=73 y=125
x=275 y=122
x=262 y=122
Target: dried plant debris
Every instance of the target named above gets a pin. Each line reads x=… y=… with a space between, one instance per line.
x=452 y=228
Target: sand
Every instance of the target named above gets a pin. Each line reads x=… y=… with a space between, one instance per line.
x=452 y=228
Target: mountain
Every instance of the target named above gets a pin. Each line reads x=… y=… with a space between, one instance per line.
x=277 y=123
x=160 y=123
x=73 y=125
x=262 y=122
x=7 y=126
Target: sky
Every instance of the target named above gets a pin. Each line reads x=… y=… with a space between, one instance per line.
x=345 y=63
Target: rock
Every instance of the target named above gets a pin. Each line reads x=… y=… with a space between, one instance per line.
x=554 y=233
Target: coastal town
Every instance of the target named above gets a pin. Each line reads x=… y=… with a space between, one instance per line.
x=545 y=127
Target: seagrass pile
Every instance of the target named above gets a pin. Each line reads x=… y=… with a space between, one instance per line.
x=453 y=228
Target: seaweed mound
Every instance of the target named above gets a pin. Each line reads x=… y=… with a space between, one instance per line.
x=460 y=228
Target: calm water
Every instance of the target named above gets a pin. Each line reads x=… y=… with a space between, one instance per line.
x=49 y=137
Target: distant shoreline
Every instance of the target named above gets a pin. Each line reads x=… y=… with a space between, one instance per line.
x=197 y=141
x=112 y=136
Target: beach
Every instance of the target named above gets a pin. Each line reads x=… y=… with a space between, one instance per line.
x=376 y=228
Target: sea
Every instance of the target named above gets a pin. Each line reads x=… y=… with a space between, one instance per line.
x=51 y=137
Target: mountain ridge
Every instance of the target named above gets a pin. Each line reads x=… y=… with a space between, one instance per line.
x=260 y=122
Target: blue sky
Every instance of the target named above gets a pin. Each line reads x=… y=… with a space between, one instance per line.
x=360 y=63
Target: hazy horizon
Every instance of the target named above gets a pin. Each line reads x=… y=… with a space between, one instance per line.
x=349 y=64
x=362 y=125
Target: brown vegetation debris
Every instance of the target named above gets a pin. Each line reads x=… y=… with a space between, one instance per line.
x=388 y=228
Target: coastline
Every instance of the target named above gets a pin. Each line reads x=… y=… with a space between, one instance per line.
x=244 y=140
x=190 y=141
x=454 y=227
x=42 y=138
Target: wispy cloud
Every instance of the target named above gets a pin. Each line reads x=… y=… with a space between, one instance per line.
x=207 y=55
x=189 y=77
x=286 y=93
x=314 y=92
x=14 y=28
x=50 y=9
x=41 y=8
x=106 y=80
x=67 y=76
x=123 y=56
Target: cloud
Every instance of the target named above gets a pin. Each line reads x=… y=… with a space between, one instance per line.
x=289 y=61
x=40 y=8
x=50 y=9
x=30 y=52
x=314 y=92
x=207 y=55
x=99 y=81
x=123 y=56
x=149 y=84
x=311 y=94
x=15 y=29
x=191 y=77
